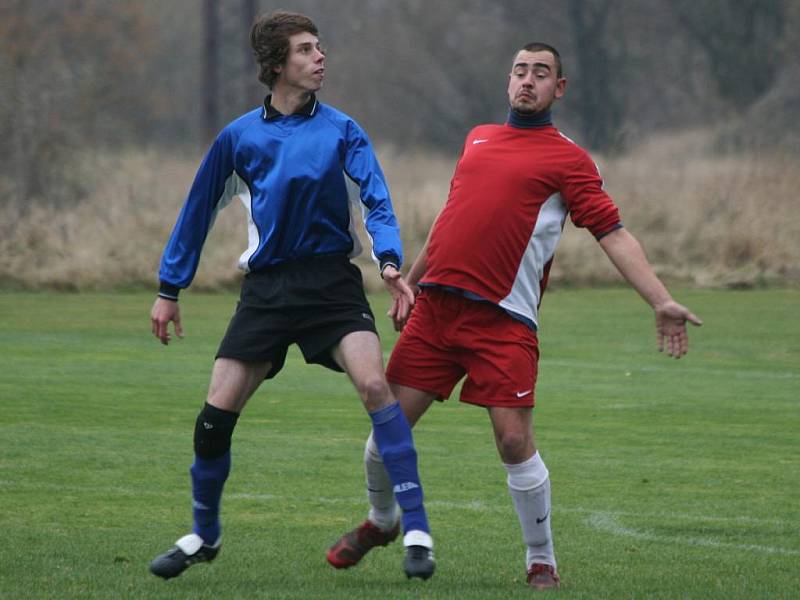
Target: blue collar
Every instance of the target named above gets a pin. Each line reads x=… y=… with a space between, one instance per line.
x=516 y=119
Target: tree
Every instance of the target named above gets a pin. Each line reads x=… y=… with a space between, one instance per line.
x=742 y=40
x=600 y=104
x=210 y=70
x=72 y=75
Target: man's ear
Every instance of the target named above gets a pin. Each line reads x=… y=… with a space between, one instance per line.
x=561 y=87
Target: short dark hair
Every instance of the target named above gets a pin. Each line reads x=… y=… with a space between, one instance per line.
x=542 y=47
x=269 y=38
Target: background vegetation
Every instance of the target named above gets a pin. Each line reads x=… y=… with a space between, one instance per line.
x=690 y=107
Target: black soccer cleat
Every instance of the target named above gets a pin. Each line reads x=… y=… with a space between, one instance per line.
x=187 y=551
x=419 y=562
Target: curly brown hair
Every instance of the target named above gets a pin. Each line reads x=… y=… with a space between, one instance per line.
x=269 y=38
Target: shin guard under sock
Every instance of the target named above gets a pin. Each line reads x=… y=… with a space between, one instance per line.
x=392 y=435
x=208 y=479
x=212 y=464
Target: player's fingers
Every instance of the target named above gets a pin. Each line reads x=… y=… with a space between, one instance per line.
x=162 y=332
x=675 y=346
x=178 y=328
x=684 y=342
x=694 y=319
x=398 y=321
x=672 y=347
x=679 y=344
x=402 y=308
x=408 y=294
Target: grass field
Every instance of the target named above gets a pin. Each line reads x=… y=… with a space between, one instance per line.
x=671 y=479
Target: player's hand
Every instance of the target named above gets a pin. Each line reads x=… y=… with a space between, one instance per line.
x=398 y=315
x=402 y=296
x=162 y=313
x=671 y=334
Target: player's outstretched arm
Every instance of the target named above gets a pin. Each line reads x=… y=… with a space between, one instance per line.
x=162 y=313
x=628 y=257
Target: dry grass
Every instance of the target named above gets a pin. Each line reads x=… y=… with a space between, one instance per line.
x=710 y=220
x=704 y=219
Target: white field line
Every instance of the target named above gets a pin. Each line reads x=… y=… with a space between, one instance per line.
x=476 y=505
x=610 y=523
x=629 y=368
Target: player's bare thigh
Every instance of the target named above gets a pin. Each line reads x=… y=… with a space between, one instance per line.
x=234 y=381
x=413 y=402
x=360 y=354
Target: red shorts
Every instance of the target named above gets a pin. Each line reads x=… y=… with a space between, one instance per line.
x=449 y=336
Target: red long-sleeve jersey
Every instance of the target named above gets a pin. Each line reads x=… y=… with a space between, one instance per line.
x=509 y=198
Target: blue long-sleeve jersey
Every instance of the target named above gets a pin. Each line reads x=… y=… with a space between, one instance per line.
x=289 y=172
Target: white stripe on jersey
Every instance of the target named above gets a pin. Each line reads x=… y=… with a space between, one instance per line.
x=253 y=238
x=526 y=290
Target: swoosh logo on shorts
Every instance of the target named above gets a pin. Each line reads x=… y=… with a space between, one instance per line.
x=525 y=393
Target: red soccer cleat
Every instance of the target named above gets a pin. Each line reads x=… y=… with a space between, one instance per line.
x=352 y=546
x=543 y=577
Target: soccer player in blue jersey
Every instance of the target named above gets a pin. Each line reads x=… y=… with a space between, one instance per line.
x=288 y=162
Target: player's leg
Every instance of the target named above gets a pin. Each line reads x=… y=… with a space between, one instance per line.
x=529 y=486
x=233 y=382
x=382 y=502
x=359 y=353
x=381 y=526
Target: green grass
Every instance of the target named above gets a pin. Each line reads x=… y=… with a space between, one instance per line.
x=671 y=479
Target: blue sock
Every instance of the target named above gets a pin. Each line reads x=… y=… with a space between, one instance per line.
x=208 y=478
x=396 y=446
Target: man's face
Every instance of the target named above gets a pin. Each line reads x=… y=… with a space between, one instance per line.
x=304 y=69
x=533 y=84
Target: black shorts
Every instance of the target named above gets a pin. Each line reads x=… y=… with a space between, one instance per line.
x=312 y=302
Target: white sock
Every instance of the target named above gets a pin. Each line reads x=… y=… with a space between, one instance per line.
x=383 y=507
x=529 y=485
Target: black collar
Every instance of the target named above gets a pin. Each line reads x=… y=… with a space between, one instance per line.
x=541 y=119
x=308 y=109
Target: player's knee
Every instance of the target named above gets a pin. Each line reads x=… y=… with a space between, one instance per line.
x=213 y=431
x=514 y=446
x=375 y=393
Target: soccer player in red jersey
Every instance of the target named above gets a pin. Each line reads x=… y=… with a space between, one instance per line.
x=481 y=277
